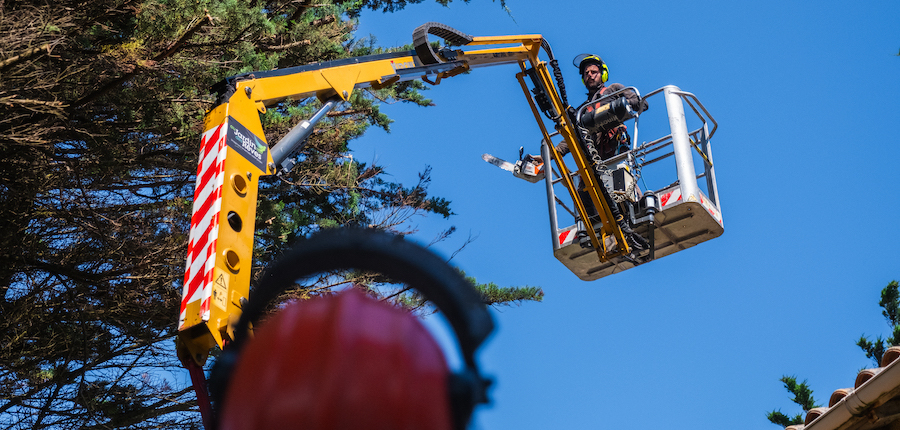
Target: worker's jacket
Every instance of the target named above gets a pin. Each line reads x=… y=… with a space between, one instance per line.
x=607 y=142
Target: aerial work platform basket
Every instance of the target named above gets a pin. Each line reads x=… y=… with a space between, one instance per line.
x=689 y=210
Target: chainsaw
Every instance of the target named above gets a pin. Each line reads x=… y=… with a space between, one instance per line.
x=527 y=167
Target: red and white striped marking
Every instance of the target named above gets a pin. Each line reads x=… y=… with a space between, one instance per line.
x=567 y=237
x=201 y=259
x=711 y=209
x=671 y=197
x=674 y=196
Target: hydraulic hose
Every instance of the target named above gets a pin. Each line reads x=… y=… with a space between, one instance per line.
x=557 y=73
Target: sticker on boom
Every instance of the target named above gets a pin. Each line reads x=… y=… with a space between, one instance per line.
x=247 y=144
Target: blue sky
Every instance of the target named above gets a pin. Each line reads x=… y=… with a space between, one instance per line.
x=807 y=97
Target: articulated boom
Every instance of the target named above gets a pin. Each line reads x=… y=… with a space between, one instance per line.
x=234 y=155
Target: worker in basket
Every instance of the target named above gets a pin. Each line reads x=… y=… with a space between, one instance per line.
x=594 y=74
x=607 y=141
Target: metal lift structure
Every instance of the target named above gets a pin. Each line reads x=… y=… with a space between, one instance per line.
x=675 y=217
x=234 y=154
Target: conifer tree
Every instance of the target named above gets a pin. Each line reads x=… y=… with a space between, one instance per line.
x=101 y=108
x=803 y=395
x=890 y=305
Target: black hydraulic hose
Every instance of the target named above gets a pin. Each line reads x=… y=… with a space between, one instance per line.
x=588 y=143
x=557 y=73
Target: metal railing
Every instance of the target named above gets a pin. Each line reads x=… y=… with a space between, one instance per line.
x=679 y=142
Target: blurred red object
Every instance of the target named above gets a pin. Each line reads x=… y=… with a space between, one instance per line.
x=346 y=361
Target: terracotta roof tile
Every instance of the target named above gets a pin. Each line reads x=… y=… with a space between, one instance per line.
x=872 y=404
x=837 y=395
x=813 y=414
x=864 y=375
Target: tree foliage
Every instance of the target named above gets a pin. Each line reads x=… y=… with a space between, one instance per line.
x=491 y=294
x=803 y=395
x=890 y=305
x=355 y=6
x=101 y=107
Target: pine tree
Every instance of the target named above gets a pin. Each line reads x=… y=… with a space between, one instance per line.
x=101 y=107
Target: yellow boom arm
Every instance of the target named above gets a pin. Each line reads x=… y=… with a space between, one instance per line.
x=234 y=154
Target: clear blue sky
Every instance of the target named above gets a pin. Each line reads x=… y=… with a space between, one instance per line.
x=807 y=96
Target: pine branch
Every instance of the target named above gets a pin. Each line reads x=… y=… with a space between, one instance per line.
x=873 y=350
x=316 y=23
x=324 y=20
x=492 y=294
x=28 y=54
x=37 y=106
x=776 y=417
x=890 y=302
x=156 y=410
x=173 y=48
x=287 y=46
x=345 y=112
x=802 y=393
x=303 y=6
